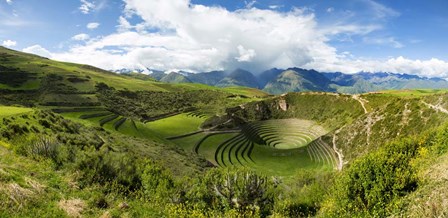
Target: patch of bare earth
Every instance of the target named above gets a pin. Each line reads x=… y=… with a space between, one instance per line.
x=73 y=207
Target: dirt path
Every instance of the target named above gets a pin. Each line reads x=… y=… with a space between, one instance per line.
x=338 y=153
x=361 y=101
x=436 y=107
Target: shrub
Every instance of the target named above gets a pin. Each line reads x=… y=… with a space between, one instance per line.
x=375 y=181
x=46 y=147
x=121 y=171
x=158 y=184
x=240 y=189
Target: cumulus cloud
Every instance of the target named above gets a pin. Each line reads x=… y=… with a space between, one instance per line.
x=9 y=1
x=177 y=34
x=37 y=50
x=81 y=37
x=9 y=43
x=93 y=25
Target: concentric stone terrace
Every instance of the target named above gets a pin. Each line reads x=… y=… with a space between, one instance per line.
x=284 y=133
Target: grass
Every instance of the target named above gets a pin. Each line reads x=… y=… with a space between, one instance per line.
x=285 y=133
x=176 y=125
x=129 y=127
x=240 y=148
x=11 y=110
x=208 y=147
x=250 y=92
x=412 y=93
x=188 y=143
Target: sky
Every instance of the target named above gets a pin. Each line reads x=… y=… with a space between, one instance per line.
x=400 y=36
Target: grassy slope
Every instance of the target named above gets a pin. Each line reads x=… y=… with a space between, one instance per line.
x=391 y=115
x=40 y=67
x=31 y=186
x=175 y=125
x=9 y=110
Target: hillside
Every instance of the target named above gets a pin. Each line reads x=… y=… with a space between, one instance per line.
x=239 y=77
x=209 y=78
x=174 y=77
x=296 y=79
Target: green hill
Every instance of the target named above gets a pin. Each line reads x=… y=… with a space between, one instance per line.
x=174 y=77
x=208 y=78
x=239 y=77
x=295 y=80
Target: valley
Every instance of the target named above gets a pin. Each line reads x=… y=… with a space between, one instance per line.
x=81 y=137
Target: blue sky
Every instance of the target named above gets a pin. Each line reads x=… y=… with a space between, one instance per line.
x=401 y=36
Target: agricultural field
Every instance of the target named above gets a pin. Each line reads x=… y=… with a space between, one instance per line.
x=177 y=125
x=276 y=147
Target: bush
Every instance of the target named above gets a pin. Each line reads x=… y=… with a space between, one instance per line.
x=237 y=189
x=158 y=184
x=44 y=147
x=372 y=183
x=118 y=170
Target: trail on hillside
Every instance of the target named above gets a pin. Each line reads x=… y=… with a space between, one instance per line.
x=336 y=150
x=436 y=107
x=361 y=101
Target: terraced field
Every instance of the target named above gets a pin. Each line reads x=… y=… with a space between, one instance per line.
x=177 y=125
x=285 y=133
x=158 y=130
x=276 y=146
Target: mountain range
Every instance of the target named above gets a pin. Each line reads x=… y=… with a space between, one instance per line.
x=278 y=81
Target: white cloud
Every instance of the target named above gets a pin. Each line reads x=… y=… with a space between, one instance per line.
x=9 y=43
x=81 y=37
x=329 y=10
x=86 y=6
x=389 y=41
x=123 y=24
x=273 y=7
x=9 y=1
x=37 y=50
x=92 y=26
x=381 y=11
x=202 y=38
x=246 y=55
x=250 y=4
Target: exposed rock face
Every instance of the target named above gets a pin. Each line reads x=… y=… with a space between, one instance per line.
x=283 y=105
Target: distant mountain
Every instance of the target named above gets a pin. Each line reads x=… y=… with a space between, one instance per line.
x=174 y=77
x=265 y=77
x=139 y=76
x=296 y=79
x=156 y=74
x=366 y=82
x=209 y=78
x=239 y=77
x=278 y=81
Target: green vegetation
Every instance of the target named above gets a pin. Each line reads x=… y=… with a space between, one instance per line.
x=412 y=92
x=176 y=125
x=9 y=110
